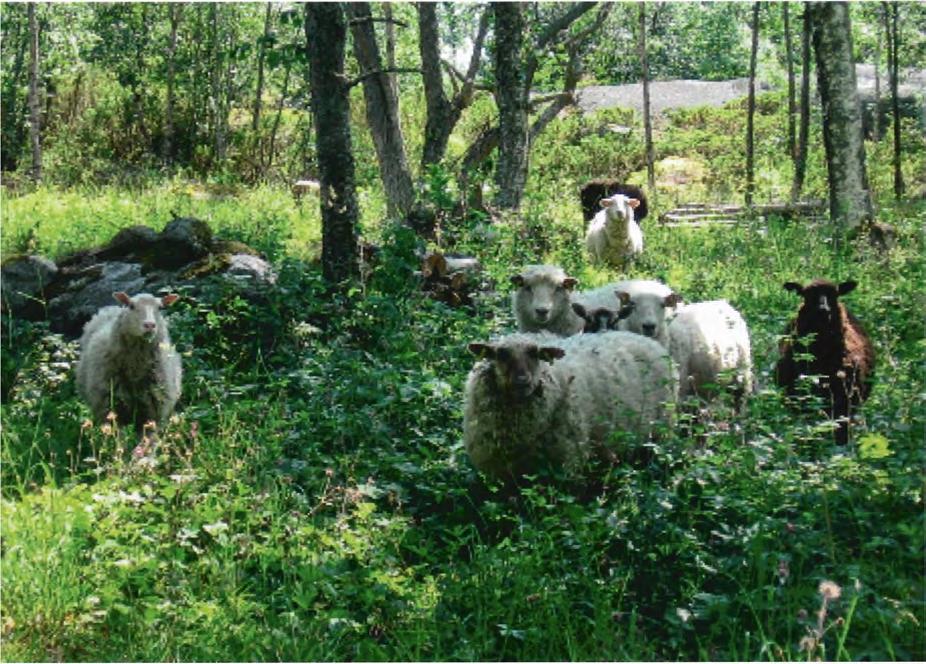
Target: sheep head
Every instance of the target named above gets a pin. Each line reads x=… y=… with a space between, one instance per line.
x=820 y=308
x=516 y=366
x=602 y=319
x=542 y=293
x=621 y=206
x=647 y=315
x=141 y=318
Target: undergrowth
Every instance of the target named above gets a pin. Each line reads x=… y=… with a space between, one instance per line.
x=311 y=499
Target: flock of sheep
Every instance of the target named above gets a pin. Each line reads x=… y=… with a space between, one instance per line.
x=588 y=374
x=594 y=373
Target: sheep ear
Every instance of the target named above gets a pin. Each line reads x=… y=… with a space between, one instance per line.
x=169 y=299
x=518 y=280
x=550 y=353
x=580 y=310
x=482 y=350
x=672 y=300
x=633 y=202
x=794 y=287
x=570 y=282
x=847 y=286
x=606 y=202
x=623 y=296
x=625 y=311
x=122 y=297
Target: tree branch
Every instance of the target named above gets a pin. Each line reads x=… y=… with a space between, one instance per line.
x=562 y=23
x=458 y=78
x=583 y=35
x=376 y=19
x=556 y=31
x=476 y=55
x=387 y=70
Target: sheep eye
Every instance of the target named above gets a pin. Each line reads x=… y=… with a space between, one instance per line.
x=529 y=289
x=132 y=306
x=502 y=354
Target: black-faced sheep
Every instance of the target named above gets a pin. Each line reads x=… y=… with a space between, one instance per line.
x=601 y=319
x=127 y=364
x=541 y=301
x=594 y=190
x=535 y=401
x=709 y=342
x=827 y=341
x=614 y=237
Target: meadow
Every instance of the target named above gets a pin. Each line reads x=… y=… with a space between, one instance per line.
x=311 y=500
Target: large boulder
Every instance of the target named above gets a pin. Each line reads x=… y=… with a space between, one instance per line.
x=137 y=259
x=22 y=281
x=88 y=290
x=183 y=241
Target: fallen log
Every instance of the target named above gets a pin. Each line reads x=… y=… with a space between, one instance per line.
x=704 y=212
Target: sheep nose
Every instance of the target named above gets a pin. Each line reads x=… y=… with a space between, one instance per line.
x=149 y=326
x=649 y=329
x=521 y=380
x=542 y=312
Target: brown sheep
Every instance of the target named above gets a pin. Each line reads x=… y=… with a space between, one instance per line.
x=841 y=352
x=594 y=190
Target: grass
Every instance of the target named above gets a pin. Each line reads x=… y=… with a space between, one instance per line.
x=312 y=500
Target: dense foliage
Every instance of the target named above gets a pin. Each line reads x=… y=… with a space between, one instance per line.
x=106 y=75
x=311 y=500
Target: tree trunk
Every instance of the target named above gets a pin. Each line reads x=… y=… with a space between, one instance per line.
x=647 y=118
x=138 y=106
x=876 y=116
x=382 y=113
x=891 y=12
x=850 y=201
x=12 y=111
x=174 y=11
x=751 y=108
x=35 y=104
x=443 y=114
x=800 y=158
x=438 y=106
x=326 y=35
x=271 y=149
x=789 y=64
x=261 y=55
x=215 y=86
x=511 y=98
x=390 y=52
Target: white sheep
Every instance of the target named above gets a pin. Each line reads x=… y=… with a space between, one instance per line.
x=646 y=303
x=540 y=400
x=127 y=363
x=709 y=341
x=613 y=236
x=542 y=301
